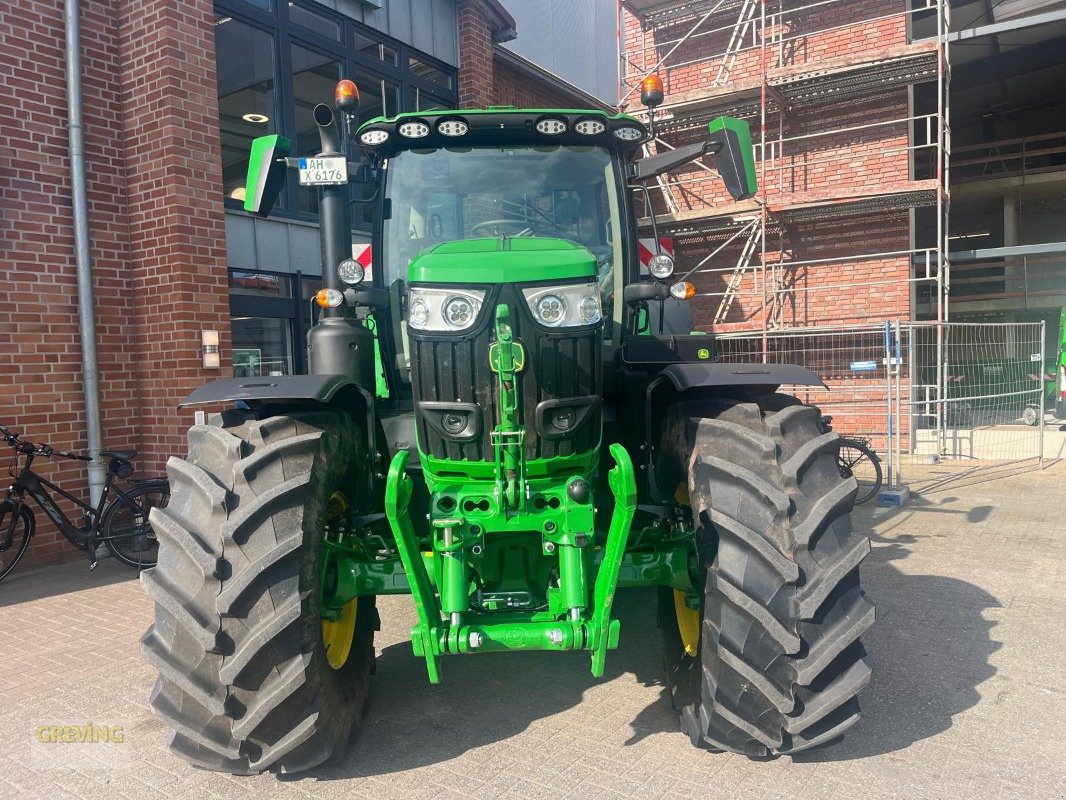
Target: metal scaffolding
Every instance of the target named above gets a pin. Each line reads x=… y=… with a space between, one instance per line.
x=776 y=88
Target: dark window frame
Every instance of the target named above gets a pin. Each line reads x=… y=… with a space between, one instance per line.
x=286 y=33
x=297 y=310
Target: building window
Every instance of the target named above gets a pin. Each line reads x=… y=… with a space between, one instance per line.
x=430 y=73
x=270 y=315
x=262 y=346
x=244 y=56
x=259 y=284
x=375 y=49
x=277 y=60
x=329 y=28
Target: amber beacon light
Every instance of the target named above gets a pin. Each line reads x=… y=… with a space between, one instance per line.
x=346 y=96
x=651 y=90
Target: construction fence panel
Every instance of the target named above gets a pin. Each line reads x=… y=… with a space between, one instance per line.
x=976 y=391
x=849 y=360
x=960 y=396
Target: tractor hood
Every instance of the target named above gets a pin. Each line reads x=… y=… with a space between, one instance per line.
x=518 y=259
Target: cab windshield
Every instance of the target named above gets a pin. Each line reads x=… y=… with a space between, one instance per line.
x=446 y=194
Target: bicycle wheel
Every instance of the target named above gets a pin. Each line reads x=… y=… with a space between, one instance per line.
x=13 y=548
x=124 y=526
x=858 y=461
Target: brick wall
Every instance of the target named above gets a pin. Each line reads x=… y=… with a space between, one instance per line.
x=156 y=227
x=485 y=80
x=39 y=343
x=847 y=29
x=177 y=223
x=475 y=55
x=514 y=88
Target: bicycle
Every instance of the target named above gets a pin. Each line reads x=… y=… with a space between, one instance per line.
x=121 y=525
x=856 y=459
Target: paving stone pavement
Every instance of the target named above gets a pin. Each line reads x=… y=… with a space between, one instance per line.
x=967 y=698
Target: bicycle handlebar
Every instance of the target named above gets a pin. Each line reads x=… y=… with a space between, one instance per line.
x=29 y=448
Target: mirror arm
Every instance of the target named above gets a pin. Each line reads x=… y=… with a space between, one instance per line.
x=640 y=187
x=656 y=165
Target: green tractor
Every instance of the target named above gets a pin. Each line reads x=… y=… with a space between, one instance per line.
x=496 y=424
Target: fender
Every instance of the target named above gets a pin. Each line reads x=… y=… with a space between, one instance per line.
x=319 y=388
x=700 y=375
x=681 y=378
x=335 y=391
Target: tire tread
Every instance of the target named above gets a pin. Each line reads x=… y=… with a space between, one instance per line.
x=780 y=664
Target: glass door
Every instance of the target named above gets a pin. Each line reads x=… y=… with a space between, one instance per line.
x=270 y=314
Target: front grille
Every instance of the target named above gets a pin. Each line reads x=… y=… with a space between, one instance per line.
x=450 y=368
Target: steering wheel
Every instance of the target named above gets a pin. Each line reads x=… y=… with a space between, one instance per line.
x=526 y=228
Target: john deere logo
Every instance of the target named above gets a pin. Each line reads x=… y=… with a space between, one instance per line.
x=703 y=353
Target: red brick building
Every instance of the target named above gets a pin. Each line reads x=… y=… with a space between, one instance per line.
x=173 y=92
x=842 y=104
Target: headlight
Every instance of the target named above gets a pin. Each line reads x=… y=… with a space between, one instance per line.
x=418 y=313
x=661 y=265
x=628 y=134
x=459 y=312
x=565 y=305
x=439 y=310
x=351 y=271
x=550 y=310
x=589 y=308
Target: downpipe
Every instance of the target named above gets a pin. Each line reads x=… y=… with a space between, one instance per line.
x=82 y=251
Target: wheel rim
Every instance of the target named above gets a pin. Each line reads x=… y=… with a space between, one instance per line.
x=688 y=619
x=337 y=635
x=688 y=623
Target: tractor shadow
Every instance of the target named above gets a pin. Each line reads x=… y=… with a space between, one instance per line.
x=929 y=649
x=483 y=699
x=931 y=646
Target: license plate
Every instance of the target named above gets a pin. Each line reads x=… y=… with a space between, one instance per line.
x=324 y=171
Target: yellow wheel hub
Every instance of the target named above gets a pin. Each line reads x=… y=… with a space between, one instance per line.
x=688 y=619
x=688 y=623
x=337 y=635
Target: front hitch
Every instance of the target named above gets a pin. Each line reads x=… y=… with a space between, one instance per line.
x=434 y=635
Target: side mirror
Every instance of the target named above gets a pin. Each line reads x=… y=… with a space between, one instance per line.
x=266 y=173
x=644 y=291
x=730 y=143
x=734 y=156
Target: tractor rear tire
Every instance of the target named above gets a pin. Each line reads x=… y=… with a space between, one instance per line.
x=244 y=683
x=778 y=664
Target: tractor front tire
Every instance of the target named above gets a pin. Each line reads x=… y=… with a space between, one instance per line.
x=778 y=663
x=245 y=685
